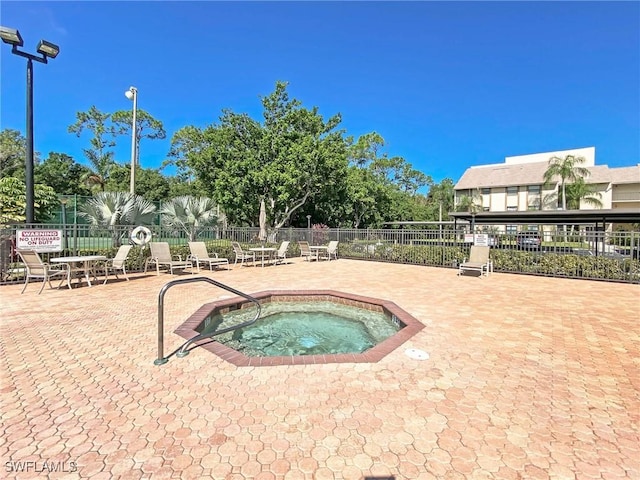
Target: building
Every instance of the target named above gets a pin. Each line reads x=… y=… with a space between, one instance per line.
x=518 y=184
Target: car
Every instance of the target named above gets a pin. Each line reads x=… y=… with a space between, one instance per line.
x=528 y=240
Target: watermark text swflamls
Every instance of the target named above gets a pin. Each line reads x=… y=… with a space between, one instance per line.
x=46 y=466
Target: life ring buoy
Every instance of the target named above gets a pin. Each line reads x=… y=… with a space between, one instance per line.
x=141 y=235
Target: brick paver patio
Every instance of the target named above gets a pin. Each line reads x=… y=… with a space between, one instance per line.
x=528 y=377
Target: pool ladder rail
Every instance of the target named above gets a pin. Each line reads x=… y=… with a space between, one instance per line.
x=183 y=350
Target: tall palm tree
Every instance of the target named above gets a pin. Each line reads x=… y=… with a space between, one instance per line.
x=190 y=214
x=566 y=169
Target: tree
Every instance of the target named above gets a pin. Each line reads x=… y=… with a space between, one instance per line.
x=287 y=160
x=156 y=187
x=13 y=151
x=579 y=191
x=99 y=157
x=146 y=127
x=13 y=203
x=566 y=168
x=109 y=209
x=190 y=214
x=441 y=197
x=472 y=202
x=63 y=174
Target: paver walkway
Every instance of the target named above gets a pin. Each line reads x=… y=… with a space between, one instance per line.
x=528 y=377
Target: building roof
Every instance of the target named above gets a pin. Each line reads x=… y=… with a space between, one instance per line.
x=551 y=217
x=503 y=175
x=625 y=174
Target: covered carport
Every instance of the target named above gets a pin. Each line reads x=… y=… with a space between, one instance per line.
x=599 y=219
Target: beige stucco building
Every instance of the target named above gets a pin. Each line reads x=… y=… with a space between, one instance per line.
x=518 y=184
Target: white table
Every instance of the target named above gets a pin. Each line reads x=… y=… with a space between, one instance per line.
x=318 y=248
x=88 y=265
x=264 y=252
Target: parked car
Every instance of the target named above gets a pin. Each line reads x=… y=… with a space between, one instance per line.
x=528 y=240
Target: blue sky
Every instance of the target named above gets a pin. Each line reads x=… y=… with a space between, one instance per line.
x=447 y=84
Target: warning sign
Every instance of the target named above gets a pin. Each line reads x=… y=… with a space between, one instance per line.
x=40 y=240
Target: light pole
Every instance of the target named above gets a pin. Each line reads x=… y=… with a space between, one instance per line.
x=46 y=50
x=132 y=94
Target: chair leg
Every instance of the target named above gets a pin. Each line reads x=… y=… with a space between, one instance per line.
x=44 y=282
x=26 y=281
x=124 y=272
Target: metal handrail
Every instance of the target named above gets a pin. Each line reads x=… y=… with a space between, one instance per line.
x=181 y=351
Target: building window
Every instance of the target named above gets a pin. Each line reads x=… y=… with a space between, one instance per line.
x=512 y=198
x=511 y=229
x=533 y=197
x=486 y=199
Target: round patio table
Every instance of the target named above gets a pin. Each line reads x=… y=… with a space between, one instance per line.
x=83 y=264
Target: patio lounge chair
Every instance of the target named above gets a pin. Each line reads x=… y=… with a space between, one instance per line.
x=117 y=263
x=199 y=254
x=241 y=254
x=478 y=260
x=36 y=268
x=306 y=252
x=332 y=251
x=161 y=256
x=281 y=254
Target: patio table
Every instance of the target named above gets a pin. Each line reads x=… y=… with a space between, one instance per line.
x=264 y=252
x=318 y=248
x=83 y=264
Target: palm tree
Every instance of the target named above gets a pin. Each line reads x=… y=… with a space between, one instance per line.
x=566 y=168
x=471 y=203
x=579 y=191
x=109 y=209
x=190 y=214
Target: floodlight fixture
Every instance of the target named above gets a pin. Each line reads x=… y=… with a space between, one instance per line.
x=46 y=50
x=11 y=36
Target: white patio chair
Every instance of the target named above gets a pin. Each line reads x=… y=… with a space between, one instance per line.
x=478 y=260
x=161 y=257
x=199 y=254
x=241 y=254
x=119 y=262
x=306 y=252
x=331 y=252
x=36 y=268
x=281 y=254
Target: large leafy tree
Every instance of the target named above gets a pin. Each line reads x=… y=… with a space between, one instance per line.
x=287 y=160
x=13 y=150
x=156 y=187
x=190 y=214
x=13 y=203
x=99 y=155
x=63 y=174
x=565 y=169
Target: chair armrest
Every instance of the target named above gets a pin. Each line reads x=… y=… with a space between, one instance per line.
x=179 y=257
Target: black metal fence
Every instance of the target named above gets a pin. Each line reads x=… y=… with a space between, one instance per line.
x=609 y=256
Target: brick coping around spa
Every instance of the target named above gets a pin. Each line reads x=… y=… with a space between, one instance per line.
x=411 y=326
